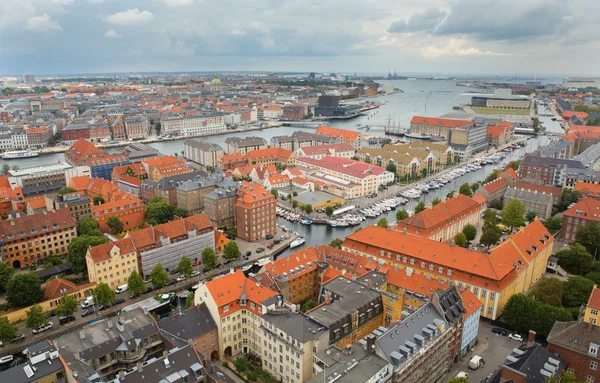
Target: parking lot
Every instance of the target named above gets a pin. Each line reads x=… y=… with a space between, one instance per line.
x=491 y=347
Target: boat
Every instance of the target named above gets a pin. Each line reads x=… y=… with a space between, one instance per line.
x=417 y=136
x=6 y=359
x=297 y=242
x=18 y=154
x=306 y=221
x=262 y=262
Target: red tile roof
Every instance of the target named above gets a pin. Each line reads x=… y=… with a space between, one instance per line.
x=586 y=208
x=587 y=189
x=445 y=122
x=594 y=300
x=294 y=265
x=34 y=225
x=555 y=191
x=327 y=149
x=342 y=165
x=342 y=134
x=252 y=194
x=229 y=288
x=471 y=302
x=442 y=214
x=495 y=185
x=80 y=149
x=268 y=154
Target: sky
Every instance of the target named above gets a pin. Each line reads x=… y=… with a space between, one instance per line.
x=456 y=37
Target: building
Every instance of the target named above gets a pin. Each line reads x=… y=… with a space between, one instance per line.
x=509 y=268
x=272 y=156
x=592 y=309
x=164 y=166
x=199 y=124
x=43 y=364
x=137 y=152
x=79 y=205
x=539 y=203
x=130 y=210
x=191 y=193
x=577 y=343
x=279 y=181
x=203 y=153
x=236 y=304
x=499 y=134
x=28 y=78
x=319 y=152
x=443 y=221
x=196 y=326
x=231 y=161
x=45 y=179
x=255 y=212
x=81 y=152
x=244 y=145
x=272 y=112
x=583 y=212
x=547 y=171
x=555 y=192
x=329 y=106
x=28 y=240
x=102 y=166
x=38 y=137
x=468 y=141
x=137 y=127
x=166 y=187
x=112 y=263
x=437 y=127
x=131 y=185
x=356 y=139
x=219 y=206
x=9 y=196
x=294 y=112
x=501 y=99
x=50 y=104
x=117 y=129
x=494 y=190
x=581 y=82
x=588 y=190
x=470 y=328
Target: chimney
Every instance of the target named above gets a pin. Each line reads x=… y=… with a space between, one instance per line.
x=371 y=343
x=590 y=326
x=369 y=284
x=327 y=298
x=122 y=375
x=530 y=338
x=140 y=367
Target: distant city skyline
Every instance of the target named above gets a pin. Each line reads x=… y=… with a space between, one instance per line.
x=462 y=37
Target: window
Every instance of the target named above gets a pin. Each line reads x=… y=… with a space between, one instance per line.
x=590 y=378
x=489 y=311
x=593 y=365
x=593 y=349
x=594 y=312
x=225 y=308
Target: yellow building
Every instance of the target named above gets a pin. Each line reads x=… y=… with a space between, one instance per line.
x=112 y=263
x=592 y=309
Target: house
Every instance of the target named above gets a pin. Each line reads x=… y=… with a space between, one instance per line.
x=277 y=182
x=351 y=137
x=81 y=151
x=494 y=190
x=538 y=203
x=585 y=211
x=272 y=156
x=318 y=152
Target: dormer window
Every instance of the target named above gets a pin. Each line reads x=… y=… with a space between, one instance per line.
x=593 y=350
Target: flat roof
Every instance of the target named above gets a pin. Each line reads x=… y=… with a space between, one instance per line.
x=41 y=169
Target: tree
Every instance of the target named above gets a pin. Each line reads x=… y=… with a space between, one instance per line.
x=295 y=194
x=470 y=232
x=575 y=260
x=103 y=294
x=475 y=186
x=185 y=267
x=6 y=272
x=78 y=250
x=491 y=177
x=567 y=198
x=67 y=305
x=97 y=200
x=5 y=168
x=329 y=210
x=401 y=214
x=460 y=239
x=420 y=207
x=115 y=224
x=458 y=380
x=308 y=209
x=275 y=192
x=294 y=204
x=549 y=290
x=135 y=283
x=336 y=243
x=8 y=332
x=465 y=189
x=391 y=167
x=530 y=216
x=209 y=258
x=490 y=236
x=159 y=277
x=307 y=305
x=231 y=250
x=553 y=224
x=160 y=211
x=436 y=201
x=24 y=290
x=523 y=313
x=489 y=219
x=241 y=364
x=51 y=261
x=514 y=165
x=512 y=214
x=382 y=223
x=66 y=190
x=36 y=317
x=589 y=236
x=450 y=194
x=577 y=291
x=88 y=226
x=189 y=301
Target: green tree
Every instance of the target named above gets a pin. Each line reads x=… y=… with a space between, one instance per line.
x=523 y=313
x=436 y=201
x=185 y=267
x=589 y=236
x=6 y=272
x=209 y=258
x=530 y=216
x=158 y=211
x=159 y=277
x=450 y=194
x=577 y=291
x=67 y=305
x=295 y=194
x=52 y=261
x=115 y=224
x=36 y=317
x=308 y=209
x=420 y=207
x=594 y=276
x=5 y=168
x=491 y=177
x=553 y=224
x=103 y=294
x=329 y=210
x=490 y=236
x=548 y=290
x=294 y=204
x=470 y=232
x=88 y=226
x=465 y=189
x=135 y=283
x=567 y=198
x=460 y=239
x=490 y=219
x=391 y=167
x=475 y=186
x=336 y=243
x=241 y=364
x=382 y=223
x=514 y=165
x=275 y=192
x=78 y=249
x=458 y=380
x=512 y=214
x=8 y=332
x=307 y=304
x=575 y=260
x=24 y=290
x=66 y=190
x=401 y=214
x=189 y=301
x=231 y=250
x=97 y=200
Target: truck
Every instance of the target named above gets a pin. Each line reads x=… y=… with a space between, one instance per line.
x=475 y=362
x=462 y=374
x=121 y=289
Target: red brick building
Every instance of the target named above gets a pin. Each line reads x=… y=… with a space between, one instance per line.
x=130 y=210
x=294 y=112
x=38 y=137
x=255 y=212
x=578 y=343
x=585 y=211
x=81 y=151
x=233 y=160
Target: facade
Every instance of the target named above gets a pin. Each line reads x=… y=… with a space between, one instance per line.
x=244 y=145
x=102 y=166
x=117 y=129
x=47 y=105
x=277 y=181
x=443 y=221
x=437 y=127
x=130 y=210
x=28 y=240
x=38 y=137
x=334 y=150
x=191 y=194
x=547 y=171
x=43 y=358
x=219 y=206
x=255 y=212
x=494 y=190
x=79 y=206
x=231 y=161
x=137 y=127
x=45 y=179
x=200 y=124
x=578 y=215
x=470 y=328
x=539 y=203
x=112 y=263
x=203 y=153
x=499 y=134
x=272 y=156
x=588 y=190
x=166 y=187
x=356 y=139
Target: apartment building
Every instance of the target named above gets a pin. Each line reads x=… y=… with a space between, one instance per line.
x=37 y=137
x=166 y=187
x=81 y=152
x=279 y=181
x=468 y=141
x=164 y=166
x=244 y=145
x=28 y=240
x=191 y=194
x=9 y=196
x=102 y=166
x=79 y=205
x=48 y=105
x=510 y=268
x=588 y=190
x=255 y=212
x=231 y=161
x=582 y=213
x=547 y=171
x=437 y=127
x=203 y=153
x=354 y=138
x=130 y=210
x=272 y=156
x=193 y=125
x=443 y=221
x=494 y=190
x=219 y=206
x=117 y=129
x=499 y=134
x=42 y=364
x=112 y=263
x=137 y=127
x=319 y=152
x=539 y=203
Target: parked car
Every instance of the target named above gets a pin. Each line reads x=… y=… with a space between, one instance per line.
x=260 y=250
x=499 y=331
x=18 y=339
x=66 y=319
x=43 y=327
x=134 y=295
x=103 y=307
x=270 y=245
x=87 y=312
x=277 y=241
x=172 y=282
x=516 y=337
x=148 y=290
x=197 y=262
x=118 y=301
x=269 y=237
x=195 y=274
x=174 y=271
x=246 y=254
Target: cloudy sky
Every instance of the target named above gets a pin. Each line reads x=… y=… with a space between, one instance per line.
x=367 y=36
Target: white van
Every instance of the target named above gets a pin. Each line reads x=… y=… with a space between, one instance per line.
x=87 y=302
x=121 y=289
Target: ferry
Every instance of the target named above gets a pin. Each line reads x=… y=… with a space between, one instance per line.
x=297 y=242
x=18 y=154
x=417 y=136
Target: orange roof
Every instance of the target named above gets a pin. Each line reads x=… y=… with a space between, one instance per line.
x=586 y=189
x=437 y=217
x=107 y=159
x=80 y=183
x=342 y=134
x=269 y=153
x=344 y=260
x=568 y=114
x=251 y=195
x=37 y=203
x=295 y=265
x=128 y=199
x=495 y=185
x=294 y=171
x=445 y=122
x=233 y=157
x=279 y=179
x=164 y=160
x=594 y=300
x=587 y=208
x=132 y=180
x=479 y=199
x=555 y=191
x=81 y=148
x=4 y=182
x=496 y=130
x=511 y=173
x=58 y=287
x=413 y=281
x=229 y=288
x=470 y=301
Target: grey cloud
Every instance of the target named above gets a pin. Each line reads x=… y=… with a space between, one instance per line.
x=426 y=21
